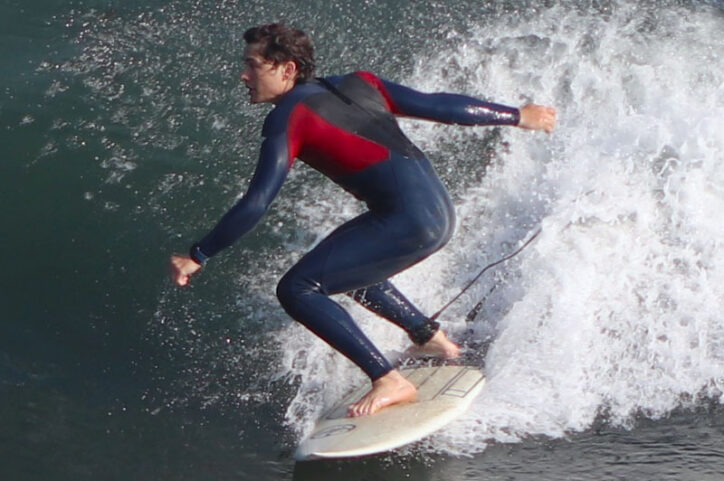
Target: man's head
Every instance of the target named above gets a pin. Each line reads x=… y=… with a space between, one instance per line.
x=276 y=58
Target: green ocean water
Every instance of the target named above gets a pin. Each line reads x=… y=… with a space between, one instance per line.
x=125 y=133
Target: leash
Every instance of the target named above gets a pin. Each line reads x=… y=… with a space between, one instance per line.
x=472 y=314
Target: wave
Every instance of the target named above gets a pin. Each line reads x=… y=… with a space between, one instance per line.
x=615 y=310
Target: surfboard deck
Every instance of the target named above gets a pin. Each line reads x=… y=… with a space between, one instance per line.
x=444 y=392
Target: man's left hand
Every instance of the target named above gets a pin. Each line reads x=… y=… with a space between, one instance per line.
x=537 y=117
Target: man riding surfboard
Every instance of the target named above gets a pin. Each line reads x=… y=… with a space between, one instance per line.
x=345 y=127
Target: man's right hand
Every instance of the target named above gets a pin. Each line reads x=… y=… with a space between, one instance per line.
x=182 y=268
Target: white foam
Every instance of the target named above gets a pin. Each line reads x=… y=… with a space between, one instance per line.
x=616 y=307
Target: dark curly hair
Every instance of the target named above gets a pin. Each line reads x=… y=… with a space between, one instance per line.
x=278 y=43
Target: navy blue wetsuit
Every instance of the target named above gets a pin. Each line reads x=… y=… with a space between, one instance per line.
x=345 y=127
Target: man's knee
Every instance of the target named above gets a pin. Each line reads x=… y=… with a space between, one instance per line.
x=292 y=288
x=431 y=237
x=286 y=292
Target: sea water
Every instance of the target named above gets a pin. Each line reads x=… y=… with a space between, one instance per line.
x=127 y=134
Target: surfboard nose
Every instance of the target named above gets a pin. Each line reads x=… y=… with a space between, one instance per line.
x=444 y=393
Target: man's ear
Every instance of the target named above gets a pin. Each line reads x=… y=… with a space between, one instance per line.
x=290 y=70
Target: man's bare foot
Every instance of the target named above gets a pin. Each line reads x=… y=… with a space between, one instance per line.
x=438 y=346
x=392 y=388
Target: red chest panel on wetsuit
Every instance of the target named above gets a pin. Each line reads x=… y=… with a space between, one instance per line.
x=327 y=147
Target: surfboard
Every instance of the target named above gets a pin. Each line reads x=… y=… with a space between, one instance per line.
x=444 y=392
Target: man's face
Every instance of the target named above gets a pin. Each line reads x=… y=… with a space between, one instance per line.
x=266 y=81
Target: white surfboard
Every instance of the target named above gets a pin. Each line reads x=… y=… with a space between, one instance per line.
x=444 y=393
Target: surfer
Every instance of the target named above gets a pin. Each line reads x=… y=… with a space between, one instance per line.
x=345 y=127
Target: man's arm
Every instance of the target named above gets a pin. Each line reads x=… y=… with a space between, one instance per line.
x=459 y=109
x=270 y=173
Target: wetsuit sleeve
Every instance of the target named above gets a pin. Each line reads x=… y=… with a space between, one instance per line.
x=270 y=173
x=443 y=107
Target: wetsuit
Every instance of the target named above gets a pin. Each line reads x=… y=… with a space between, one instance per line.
x=345 y=127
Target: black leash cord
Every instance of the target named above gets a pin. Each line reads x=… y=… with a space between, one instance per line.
x=490 y=266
